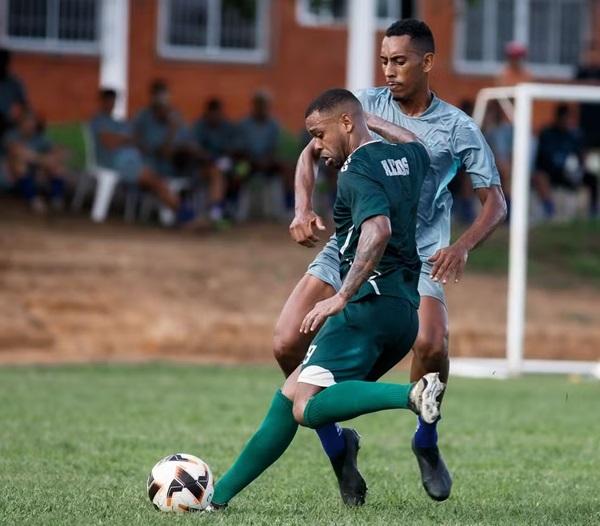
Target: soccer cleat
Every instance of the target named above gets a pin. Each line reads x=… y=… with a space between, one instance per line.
x=353 y=487
x=425 y=397
x=435 y=476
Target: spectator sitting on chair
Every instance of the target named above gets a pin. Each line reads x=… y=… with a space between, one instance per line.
x=13 y=98
x=167 y=146
x=559 y=160
x=589 y=119
x=259 y=138
x=214 y=137
x=35 y=164
x=115 y=150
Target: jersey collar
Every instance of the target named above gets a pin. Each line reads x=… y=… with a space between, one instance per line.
x=432 y=106
x=363 y=144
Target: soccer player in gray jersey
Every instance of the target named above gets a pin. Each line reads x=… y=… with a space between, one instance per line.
x=454 y=142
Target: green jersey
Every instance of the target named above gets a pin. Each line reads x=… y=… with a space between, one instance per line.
x=382 y=179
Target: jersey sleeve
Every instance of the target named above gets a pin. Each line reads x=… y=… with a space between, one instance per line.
x=365 y=197
x=475 y=155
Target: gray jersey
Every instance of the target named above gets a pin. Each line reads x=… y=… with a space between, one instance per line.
x=454 y=141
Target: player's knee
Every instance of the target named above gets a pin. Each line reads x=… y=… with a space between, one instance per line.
x=432 y=345
x=286 y=351
x=298 y=410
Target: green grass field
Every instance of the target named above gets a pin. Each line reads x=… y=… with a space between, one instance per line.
x=78 y=442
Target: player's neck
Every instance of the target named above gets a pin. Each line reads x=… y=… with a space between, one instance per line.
x=358 y=139
x=417 y=104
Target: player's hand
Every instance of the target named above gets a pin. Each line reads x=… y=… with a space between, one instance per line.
x=321 y=311
x=449 y=262
x=304 y=228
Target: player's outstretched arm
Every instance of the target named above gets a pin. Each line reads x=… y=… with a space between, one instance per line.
x=374 y=236
x=389 y=131
x=306 y=224
x=450 y=261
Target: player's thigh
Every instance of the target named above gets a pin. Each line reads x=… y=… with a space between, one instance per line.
x=339 y=352
x=405 y=318
x=350 y=343
x=308 y=291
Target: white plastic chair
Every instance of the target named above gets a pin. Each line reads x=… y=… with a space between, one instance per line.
x=106 y=180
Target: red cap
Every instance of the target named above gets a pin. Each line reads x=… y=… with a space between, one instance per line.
x=515 y=49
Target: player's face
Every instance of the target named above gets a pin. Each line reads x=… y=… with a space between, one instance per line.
x=330 y=133
x=405 y=66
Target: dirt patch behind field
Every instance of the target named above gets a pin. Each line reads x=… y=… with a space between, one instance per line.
x=74 y=291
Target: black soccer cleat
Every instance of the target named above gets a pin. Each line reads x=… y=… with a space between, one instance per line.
x=353 y=487
x=434 y=473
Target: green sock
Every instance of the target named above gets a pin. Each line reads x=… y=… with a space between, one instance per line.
x=354 y=398
x=269 y=442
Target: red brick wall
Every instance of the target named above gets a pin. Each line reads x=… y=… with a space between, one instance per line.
x=60 y=87
x=303 y=61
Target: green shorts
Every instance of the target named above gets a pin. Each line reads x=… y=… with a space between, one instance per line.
x=374 y=333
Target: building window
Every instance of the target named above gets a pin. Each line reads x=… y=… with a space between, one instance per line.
x=219 y=30
x=554 y=32
x=70 y=26
x=334 y=12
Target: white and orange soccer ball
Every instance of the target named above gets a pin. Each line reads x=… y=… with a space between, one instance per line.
x=180 y=483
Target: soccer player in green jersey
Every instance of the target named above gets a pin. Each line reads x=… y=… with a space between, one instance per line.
x=454 y=142
x=373 y=318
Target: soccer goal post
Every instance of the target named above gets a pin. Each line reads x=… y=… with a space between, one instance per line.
x=523 y=96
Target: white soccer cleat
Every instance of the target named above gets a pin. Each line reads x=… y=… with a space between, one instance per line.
x=425 y=397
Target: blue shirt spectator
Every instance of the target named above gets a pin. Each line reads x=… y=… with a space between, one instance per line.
x=160 y=132
x=13 y=97
x=259 y=133
x=214 y=134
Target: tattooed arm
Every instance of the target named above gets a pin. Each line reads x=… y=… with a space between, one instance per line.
x=374 y=236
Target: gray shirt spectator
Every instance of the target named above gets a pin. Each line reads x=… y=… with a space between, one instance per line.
x=13 y=97
x=156 y=136
x=103 y=123
x=259 y=138
x=213 y=133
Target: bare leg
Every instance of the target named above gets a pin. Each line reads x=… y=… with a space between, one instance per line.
x=430 y=354
x=431 y=347
x=216 y=182
x=156 y=185
x=289 y=345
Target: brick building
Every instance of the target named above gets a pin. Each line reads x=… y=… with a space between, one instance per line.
x=293 y=48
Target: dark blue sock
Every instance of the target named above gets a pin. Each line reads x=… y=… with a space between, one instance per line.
x=185 y=214
x=27 y=186
x=549 y=208
x=426 y=434
x=57 y=188
x=332 y=440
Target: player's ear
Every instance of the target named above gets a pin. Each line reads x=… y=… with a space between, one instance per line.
x=346 y=122
x=427 y=62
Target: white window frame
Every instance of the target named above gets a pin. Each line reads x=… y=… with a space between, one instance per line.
x=305 y=18
x=520 y=33
x=49 y=44
x=215 y=53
